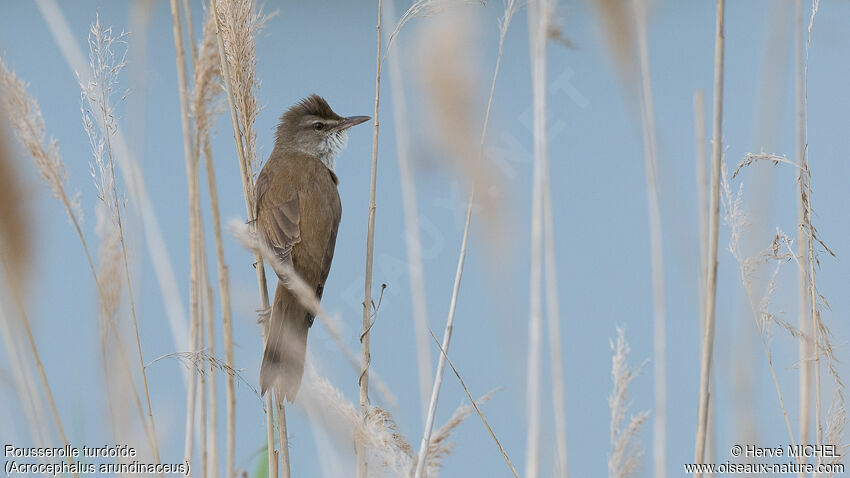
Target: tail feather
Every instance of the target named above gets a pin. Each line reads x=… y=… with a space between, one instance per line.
x=286 y=346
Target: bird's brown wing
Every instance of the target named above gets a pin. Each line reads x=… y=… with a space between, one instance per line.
x=278 y=219
x=321 y=205
x=328 y=258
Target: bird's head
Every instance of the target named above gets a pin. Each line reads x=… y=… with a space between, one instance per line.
x=311 y=127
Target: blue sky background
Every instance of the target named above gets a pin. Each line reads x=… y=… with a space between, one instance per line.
x=599 y=205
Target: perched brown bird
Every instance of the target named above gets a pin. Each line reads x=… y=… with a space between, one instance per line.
x=298 y=212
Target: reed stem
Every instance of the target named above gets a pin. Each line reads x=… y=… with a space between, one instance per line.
x=711 y=263
x=370 y=251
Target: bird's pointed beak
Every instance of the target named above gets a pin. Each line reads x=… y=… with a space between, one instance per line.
x=351 y=121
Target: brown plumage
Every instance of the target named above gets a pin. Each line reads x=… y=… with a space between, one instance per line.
x=298 y=212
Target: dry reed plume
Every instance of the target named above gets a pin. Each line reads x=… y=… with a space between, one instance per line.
x=100 y=123
x=625 y=453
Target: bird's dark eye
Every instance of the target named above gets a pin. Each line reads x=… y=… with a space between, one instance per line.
x=318 y=126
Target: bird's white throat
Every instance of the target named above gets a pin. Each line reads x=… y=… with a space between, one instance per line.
x=331 y=146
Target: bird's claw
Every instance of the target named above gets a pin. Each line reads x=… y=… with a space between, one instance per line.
x=264 y=315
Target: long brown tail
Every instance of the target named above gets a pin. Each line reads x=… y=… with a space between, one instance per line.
x=286 y=346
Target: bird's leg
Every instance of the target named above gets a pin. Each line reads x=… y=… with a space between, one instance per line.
x=264 y=315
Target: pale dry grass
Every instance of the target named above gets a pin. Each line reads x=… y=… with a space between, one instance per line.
x=101 y=124
x=440 y=445
x=777 y=254
x=28 y=126
x=374 y=431
x=239 y=23
x=624 y=456
x=388 y=451
x=782 y=250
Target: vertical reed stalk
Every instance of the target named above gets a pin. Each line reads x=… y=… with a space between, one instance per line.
x=813 y=298
x=192 y=180
x=213 y=383
x=227 y=318
x=659 y=429
x=554 y=320
x=247 y=190
x=207 y=71
x=711 y=264
x=190 y=397
x=282 y=438
x=202 y=376
x=370 y=250
x=805 y=348
x=205 y=317
x=806 y=176
x=190 y=31
x=702 y=214
x=204 y=74
x=702 y=196
x=97 y=109
x=538 y=18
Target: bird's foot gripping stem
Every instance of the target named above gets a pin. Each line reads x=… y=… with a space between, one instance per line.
x=264 y=315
